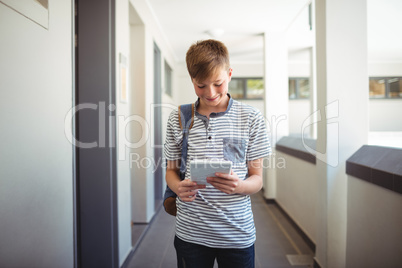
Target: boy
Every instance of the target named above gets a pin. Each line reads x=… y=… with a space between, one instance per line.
x=216 y=221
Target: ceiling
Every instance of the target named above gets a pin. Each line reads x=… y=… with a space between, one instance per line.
x=185 y=21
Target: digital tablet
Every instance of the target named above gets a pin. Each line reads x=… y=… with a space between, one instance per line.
x=201 y=169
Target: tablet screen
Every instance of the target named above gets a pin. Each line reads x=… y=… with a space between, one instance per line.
x=201 y=169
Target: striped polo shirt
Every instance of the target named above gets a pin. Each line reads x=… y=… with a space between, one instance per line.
x=216 y=219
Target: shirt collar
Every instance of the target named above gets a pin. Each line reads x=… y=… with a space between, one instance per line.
x=197 y=103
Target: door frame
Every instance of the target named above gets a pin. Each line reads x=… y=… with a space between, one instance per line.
x=157 y=112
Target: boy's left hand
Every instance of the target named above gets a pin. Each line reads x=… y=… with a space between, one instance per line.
x=227 y=183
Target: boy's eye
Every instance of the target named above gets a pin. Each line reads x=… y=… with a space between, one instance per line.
x=201 y=86
x=219 y=85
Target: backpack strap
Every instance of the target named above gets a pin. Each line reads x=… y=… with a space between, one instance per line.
x=186 y=121
x=186 y=116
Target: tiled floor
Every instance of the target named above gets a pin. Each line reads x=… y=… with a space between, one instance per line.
x=275 y=239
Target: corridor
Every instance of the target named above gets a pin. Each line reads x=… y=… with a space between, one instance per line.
x=276 y=238
x=86 y=90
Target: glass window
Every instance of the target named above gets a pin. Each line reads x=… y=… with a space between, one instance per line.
x=255 y=89
x=236 y=88
x=377 y=88
x=395 y=87
x=292 y=89
x=304 y=88
x=299 y=88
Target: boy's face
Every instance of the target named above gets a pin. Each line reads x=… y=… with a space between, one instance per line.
x=213 y=91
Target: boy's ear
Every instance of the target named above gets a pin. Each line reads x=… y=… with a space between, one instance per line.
x=230 y=73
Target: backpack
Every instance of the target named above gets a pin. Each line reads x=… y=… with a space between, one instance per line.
x=186 y=120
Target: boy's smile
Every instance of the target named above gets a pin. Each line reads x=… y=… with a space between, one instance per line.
x=213 y=92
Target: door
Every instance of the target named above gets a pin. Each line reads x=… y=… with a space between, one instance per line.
x=95 y=160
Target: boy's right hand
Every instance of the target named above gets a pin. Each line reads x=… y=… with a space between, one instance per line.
x=188 y=189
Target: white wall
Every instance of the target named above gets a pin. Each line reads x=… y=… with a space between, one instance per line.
x=297 y=192
x=138 y=129
x=385 y=115
x=373 y=226
x=122 y=112
x=298 y=68
x=36 y=161
x=384 y=68
x=184 y=90
x=247 y=69
x=299 y=111
x=144 y=32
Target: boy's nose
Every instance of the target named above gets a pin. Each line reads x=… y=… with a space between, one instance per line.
x=211 y=91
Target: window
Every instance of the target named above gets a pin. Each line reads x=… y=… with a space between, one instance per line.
x=255 y=89
x=247 y=88
x=236 y=88
x=379 y=88
x=299 y=88
x=385 y=87
x=395 y=87
x=168 y=79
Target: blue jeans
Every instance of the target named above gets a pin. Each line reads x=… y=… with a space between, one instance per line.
x=191 y=255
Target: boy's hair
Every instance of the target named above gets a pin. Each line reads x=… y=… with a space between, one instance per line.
x=204 y=58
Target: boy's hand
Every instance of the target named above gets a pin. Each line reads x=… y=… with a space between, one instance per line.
x=188 y=189
x=227 y=183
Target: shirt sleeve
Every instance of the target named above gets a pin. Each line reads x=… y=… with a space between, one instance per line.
x=174 y=137
x=259 y=145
